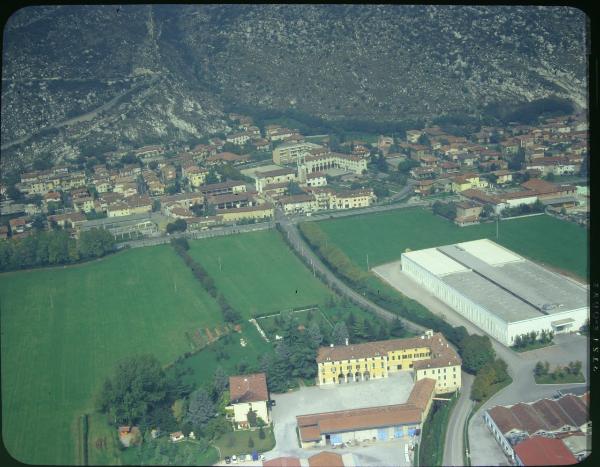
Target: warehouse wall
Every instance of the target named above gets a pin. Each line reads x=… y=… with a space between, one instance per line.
x=475 y=313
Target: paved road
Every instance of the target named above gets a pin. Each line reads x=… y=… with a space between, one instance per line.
x=298 y=244
x=453 y=444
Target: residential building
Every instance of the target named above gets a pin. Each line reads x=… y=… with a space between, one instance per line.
x=316 y=179
x=257 y=213
x=249 y=393
x=230 y=186
x=239 y=138
x=132 y=226
x=322 y=162
x=412 y=136
x=234 y=200
x=226 y=157
x=467 y=213
x=195 y=175
x=287 y=153
x=283 y=175
x=351 y=199
x=299 y=204
x=466 y=182
x=83 y=203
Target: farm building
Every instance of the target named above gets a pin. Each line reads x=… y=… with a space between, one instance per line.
x=499 y=291
x=371 y=423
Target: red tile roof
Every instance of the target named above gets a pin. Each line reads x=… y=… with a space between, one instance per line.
x=248 y=388
x=282 y=462
x=544 y=451
x=361 y=419
x=326 y=459
x=437 y=344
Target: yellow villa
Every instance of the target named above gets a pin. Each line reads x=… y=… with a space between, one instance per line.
x=428 y=356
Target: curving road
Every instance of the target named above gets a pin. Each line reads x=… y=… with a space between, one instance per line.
x=454 y=442
x=301 y=247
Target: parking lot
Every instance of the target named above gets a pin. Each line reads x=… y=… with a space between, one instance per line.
x=392 y=390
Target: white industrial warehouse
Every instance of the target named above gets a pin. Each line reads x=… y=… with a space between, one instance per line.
x=499 y=291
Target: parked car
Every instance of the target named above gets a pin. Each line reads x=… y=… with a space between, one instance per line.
x=234 y=459
x=227 y=460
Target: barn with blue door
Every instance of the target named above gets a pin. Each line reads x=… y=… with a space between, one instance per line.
x=380 y=424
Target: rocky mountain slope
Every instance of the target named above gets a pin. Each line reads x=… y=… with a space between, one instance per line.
x=78 y=79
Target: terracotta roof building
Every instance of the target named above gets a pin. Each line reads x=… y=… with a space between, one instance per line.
x=249 y=393
x=248 y=388
x=382 y=423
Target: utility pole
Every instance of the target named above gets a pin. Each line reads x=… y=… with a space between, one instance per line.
x=219 y=264
x=497 y=221
x=367 y=261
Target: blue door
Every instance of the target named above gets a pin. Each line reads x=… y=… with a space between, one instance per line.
x=336 y=439
x=382 y=434
x=398 y=432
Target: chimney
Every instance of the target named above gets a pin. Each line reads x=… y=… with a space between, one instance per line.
x=346 y=341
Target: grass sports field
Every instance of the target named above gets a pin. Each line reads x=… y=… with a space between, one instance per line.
x=257 y=272
x=64 y=329
x=385 y=236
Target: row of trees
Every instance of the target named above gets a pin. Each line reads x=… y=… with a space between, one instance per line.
x=523 y=209
x=447 y=210
x=534 y=337
x=54 y=247
x=294 y=355
x=559 y=372
x=336 y=258
x=383 y=296
x=181 y=246
x=479 y=359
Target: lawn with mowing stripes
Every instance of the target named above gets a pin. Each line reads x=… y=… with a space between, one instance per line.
x=385 y=236
x=64 y=330
x=257 y=272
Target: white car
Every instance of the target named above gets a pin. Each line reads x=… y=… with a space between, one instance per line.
x=234 y=459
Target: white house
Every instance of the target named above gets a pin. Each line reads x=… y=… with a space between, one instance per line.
x=249 y=392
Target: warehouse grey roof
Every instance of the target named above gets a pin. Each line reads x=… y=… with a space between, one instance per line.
x=506 y=284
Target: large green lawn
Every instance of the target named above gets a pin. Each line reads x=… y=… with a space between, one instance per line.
x=64 y=329
x=257 y=272
x=385 y=236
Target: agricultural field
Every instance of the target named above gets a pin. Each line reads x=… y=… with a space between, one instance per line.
x=257 y=273
x=64 y=329
x=385 y=236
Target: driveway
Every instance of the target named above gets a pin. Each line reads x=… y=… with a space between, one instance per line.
x=392 y=390
x=453 y=444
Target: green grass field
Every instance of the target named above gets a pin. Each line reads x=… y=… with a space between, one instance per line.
x=385 y=236
x=236 y=442
x=258 y=274
x=64 y=329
